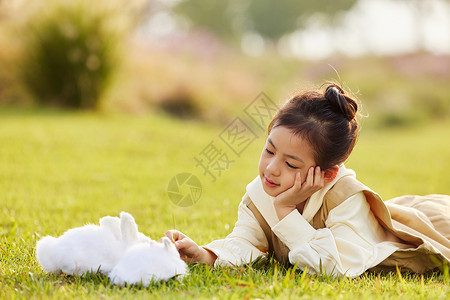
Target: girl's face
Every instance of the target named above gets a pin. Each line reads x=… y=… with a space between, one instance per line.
x=284 y=155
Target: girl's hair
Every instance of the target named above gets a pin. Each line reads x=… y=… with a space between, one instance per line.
x=326 y=120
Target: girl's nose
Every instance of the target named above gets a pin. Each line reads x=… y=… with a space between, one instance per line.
x=273 y=168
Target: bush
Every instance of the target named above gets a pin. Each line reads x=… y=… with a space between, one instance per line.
x=70 y=53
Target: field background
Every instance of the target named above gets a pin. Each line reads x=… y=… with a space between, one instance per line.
x=99 y=111
x=61 y=170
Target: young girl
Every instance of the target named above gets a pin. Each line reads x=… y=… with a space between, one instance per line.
x=306 y=208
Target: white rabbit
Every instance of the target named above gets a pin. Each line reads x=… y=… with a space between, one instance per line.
x=147 y=262
x=91 y=247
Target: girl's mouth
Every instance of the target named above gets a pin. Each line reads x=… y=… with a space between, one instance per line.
x=269 y=183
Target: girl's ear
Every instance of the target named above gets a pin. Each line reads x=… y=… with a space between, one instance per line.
x=330 y=173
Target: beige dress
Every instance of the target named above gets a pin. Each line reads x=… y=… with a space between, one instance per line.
x=421 y=223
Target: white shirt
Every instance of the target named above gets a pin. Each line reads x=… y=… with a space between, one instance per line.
x=352 y=242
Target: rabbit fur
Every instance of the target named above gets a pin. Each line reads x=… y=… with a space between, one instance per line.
x=115 y=248
x=146 y=262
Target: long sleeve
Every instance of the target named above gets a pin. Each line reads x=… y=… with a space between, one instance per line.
x=244 y=244
x=352 y=242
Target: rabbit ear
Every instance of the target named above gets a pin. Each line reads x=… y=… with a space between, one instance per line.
x=112 y=224
x=167 y=243
x=128 y=227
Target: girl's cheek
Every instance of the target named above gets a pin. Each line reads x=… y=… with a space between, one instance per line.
x=262 y=164
x=303 y=174
x=289 y=182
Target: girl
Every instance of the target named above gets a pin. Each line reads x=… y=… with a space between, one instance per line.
x=306 y=208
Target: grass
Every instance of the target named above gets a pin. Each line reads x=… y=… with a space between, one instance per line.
x=60 y=170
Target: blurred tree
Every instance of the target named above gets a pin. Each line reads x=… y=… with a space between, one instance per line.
x=209 y=14
x=274 y=19
x=71 y=52
x=270 y=19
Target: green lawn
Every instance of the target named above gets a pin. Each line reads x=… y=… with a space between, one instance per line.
x=63 y=170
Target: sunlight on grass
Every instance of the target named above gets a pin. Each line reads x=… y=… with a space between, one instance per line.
x=63 y=170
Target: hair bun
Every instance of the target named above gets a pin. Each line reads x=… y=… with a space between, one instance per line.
x=337 y=97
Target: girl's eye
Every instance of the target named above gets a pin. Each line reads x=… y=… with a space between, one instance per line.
x=291 y=166
x=268 y=151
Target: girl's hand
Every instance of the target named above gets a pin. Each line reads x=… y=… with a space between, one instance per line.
x=189 y=251
x=287 y=201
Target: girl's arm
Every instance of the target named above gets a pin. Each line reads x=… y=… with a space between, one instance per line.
x=352 y=242
x=243 y=245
